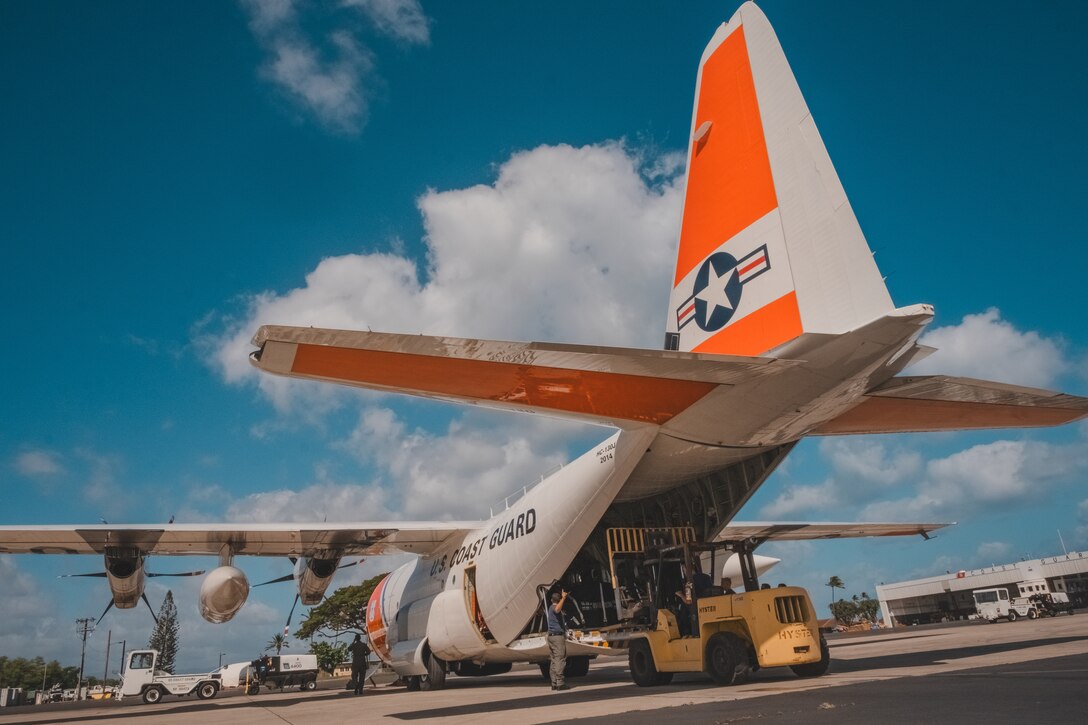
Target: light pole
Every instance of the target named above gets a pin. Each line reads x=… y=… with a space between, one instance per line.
x=221 y=655
x=123 y=643
x=83 y=627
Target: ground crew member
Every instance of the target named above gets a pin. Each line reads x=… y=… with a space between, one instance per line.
x=359 y=653
x=557 y=640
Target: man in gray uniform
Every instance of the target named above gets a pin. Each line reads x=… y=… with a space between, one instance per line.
x=557 y=640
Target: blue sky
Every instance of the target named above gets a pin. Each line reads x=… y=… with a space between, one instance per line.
x=175 y=175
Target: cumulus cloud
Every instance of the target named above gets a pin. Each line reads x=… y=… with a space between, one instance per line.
x=986 y=346
x=862 y=469
x=330 y=75
x=568 y=244
x=39 y=463
x=987 y=476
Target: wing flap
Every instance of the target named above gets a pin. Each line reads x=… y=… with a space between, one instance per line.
x=805 y=531
x=606 y=385
x=237 y=539
x=941 y=403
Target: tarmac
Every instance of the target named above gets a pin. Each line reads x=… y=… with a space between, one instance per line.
x=967 y=672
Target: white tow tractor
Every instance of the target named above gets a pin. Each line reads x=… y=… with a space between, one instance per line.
x=142 y=677
x=994 y=604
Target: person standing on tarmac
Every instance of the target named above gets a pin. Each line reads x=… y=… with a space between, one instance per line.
x=359 y=653
x=557 y=640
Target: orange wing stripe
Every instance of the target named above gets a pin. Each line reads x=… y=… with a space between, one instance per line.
x=759 y=331
x=729 y=174
x=609 y=395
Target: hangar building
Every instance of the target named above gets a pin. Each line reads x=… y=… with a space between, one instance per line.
x=948 y=596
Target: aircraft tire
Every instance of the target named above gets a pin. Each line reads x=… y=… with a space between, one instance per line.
x=576 y=667
x=153 y=694
x=413 y=683
x=435 y=679
x=818 y=668
x=727 y=659
x=640 y=660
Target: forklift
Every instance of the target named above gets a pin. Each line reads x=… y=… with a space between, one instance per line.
x=698 y=626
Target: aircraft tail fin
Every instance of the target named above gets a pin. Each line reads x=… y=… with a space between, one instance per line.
x=769 y=245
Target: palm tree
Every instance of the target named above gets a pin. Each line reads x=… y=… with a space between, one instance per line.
x=278 y=642
x=835 y=583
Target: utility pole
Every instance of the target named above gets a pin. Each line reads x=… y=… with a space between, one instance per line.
x=123 y=643
x=83 y=627
x=106 y=671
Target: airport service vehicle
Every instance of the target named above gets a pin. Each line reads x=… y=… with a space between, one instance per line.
x=995 y=603
x=142 y=677
x=724 y=634
x=779 y=326
x=282 y=671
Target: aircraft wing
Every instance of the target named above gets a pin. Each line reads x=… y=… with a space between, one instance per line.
x=239 y=539
x=800 y=531
x=938 y=402
x=615 y=386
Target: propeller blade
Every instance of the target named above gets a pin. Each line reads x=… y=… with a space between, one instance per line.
x=104 y=612
x=180 y=573
x=287 y=627
x=149 y=608
x=99 y=574
x=284 y=578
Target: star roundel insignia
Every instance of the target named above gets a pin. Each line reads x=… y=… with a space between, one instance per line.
x=717 y=291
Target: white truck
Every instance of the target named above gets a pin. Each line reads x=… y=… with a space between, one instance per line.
x=142 y=677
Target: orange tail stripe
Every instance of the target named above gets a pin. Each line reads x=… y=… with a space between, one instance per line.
x=759 y=331
x=729 y=177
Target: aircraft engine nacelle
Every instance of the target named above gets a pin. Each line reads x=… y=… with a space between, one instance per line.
x=313 y=577
x=222 y=594
x=125 y=573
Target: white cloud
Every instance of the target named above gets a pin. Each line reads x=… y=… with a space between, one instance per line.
x=799 y=502
x=870 y=462
x=401 y=19
x=39 y=463
x=318 y=502
x=568 y=244
x=986 y=346
x=331 y=75
x=994 y=475
x=993 y=551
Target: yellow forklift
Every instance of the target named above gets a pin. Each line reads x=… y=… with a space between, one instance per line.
x=699 y=627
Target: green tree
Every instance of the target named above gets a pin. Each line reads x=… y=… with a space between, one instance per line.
x=329 y=655
x=343 y=611
x=868 y=609
x=844 y=610
x=164 y=637
x=835 y=583
x=278 y=642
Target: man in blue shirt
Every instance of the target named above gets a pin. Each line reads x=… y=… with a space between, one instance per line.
x=557 y=640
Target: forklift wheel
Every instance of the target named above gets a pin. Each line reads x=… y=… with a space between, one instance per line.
x=644 y=672
x=815 y=669
x=727 y=659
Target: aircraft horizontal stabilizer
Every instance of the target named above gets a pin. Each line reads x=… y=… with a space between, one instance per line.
x=614 y=386
x=236 y=539
x=801 y=531
x=936 y=403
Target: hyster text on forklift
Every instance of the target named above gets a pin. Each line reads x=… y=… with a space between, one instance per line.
x=142 y=677
x=682 y=621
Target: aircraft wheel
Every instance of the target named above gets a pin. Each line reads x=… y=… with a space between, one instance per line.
x=815 y=669
x=727 y=659
x=207 y=690
x=413 y=683
x=435 y=679
x=576 y=667
x=153 y=695
x=640 y=660
x=1013 y=615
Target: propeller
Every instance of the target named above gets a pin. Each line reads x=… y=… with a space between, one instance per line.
x=292 y=576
